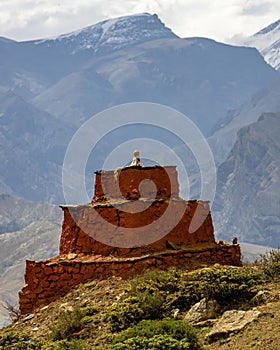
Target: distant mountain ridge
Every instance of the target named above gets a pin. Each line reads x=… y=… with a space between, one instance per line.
x=271 y=27
x=197 y=76
x=50 y=87
x=112 y=34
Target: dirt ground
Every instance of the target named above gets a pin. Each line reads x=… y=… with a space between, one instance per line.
x=262 y=334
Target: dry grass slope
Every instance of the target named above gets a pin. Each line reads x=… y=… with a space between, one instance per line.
x=117 y=314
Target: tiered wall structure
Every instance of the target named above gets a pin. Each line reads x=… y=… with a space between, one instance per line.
x=135 y=222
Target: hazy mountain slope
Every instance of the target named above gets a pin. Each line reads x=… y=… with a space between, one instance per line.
x=251 y=252
x=39 y=240
x=17 y=213
x=223 y=139
x=27 y=69
x=200 y=77
x=13 y=76
x=247 y=204
x=267 y=41
x=29 y=230
x=33 y=144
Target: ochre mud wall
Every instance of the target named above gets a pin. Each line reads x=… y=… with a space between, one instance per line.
x=136 y=182
x=46 y=281
x=86 y=227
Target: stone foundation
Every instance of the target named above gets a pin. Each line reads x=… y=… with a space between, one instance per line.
x=46 y=281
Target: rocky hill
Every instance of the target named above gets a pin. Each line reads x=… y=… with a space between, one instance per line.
x=159 y=310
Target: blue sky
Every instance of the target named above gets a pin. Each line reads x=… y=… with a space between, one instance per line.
x=222 y=20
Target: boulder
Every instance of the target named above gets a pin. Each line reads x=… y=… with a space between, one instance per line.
x=231 y=321
x=263 y=296
x=203 y=310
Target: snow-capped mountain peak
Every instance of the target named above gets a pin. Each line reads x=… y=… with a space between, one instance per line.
x=267 y=41
x=269 y=29
x=113 y=34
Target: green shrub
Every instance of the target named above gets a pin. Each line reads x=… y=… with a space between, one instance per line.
x=166 y=286
x=270 y=263
x=144 y=305
x=228 y=285
x=157 y=280
x=157 y=342
x=123 y=314
x=64 y=345
x=13 y=340
x=68 y=323
x=157 y=294
x=86 y=320
x=89 y=284
x=151 y=304
x=182 y=290
x=162 y=334
x=90 y=310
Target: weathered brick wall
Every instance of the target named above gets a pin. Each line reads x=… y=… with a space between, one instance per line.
x=86 y=230
x=46 y=281
x=128 y=182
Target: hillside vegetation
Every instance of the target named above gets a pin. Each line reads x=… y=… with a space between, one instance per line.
x=151 y=312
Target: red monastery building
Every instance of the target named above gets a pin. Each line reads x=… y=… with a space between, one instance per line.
x=135 y=222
